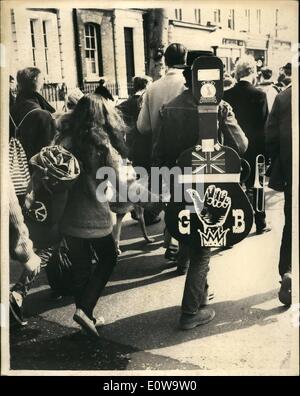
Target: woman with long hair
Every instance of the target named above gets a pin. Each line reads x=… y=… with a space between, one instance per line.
x=94 y=126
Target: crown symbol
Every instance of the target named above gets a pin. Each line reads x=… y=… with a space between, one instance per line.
x=212 y=238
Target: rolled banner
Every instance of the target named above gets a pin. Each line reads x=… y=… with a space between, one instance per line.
x=56 y=166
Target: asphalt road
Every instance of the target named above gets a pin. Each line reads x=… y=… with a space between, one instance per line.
x=252 y=332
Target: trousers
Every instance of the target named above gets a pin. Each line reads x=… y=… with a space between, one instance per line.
x=89 y=280
x=285 y=259
x=196 y=278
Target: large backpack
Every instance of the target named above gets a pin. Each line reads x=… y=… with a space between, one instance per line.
x=18 y=163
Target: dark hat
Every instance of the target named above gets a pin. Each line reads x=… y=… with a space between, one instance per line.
x=191 y=56
x=287 y=66
x=175 y=54
x=287 y=69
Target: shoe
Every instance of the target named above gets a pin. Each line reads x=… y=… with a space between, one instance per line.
x=152 y=220
x=16 y=308
x=85 y=322
x=171 y=253
x=263 y=230
x=99 y=322
x=285 y=292
x=203 y=316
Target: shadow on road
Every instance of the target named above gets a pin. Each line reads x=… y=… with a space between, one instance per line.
x=46 y=345
x=50 y=346
x=159 y=328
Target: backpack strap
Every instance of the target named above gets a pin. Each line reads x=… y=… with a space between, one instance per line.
x=18 y=126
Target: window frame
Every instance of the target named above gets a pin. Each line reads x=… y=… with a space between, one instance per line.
x=178 y=14
x=90 y=60
x=230 y=21
x=45 y=43
x=33 y=40
x=217 y=15
x=198 y=15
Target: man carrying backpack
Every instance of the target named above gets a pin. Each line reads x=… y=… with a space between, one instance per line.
x=32 y=113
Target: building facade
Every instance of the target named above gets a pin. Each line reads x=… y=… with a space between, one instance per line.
x=77 y=47
x=265 y=33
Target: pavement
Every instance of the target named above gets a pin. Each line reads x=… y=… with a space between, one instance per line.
x=252 y=332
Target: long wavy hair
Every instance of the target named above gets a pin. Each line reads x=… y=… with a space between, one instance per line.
x=93 y=124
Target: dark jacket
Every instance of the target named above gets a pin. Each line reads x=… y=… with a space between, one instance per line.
x=38 y=128
x=139 y=145
x=250 y=107
x=279 y=141
x=180 y=130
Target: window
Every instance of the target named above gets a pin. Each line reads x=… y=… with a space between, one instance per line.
x=178 y=14
x=198 y=15
x=45 y=41
x=91 y=51
x=258 y=18
x=33 y=47
x=231 y=19
x=276 y=22
x=129 y=53
x=247 y=15
x=217 y=16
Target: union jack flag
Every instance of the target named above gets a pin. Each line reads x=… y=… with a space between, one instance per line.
x=208 y=162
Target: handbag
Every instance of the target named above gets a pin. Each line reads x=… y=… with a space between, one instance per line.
x=18 y=163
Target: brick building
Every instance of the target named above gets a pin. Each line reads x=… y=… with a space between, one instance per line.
x=79 y=46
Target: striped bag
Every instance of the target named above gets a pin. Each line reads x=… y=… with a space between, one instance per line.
x=18 y=163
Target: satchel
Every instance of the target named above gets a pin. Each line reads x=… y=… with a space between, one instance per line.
x=18 y=163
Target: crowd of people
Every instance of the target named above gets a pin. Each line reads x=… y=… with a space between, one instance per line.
x=151 y=128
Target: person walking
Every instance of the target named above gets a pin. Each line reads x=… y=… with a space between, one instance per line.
x=86 y=224
x=139 y=145
x=159 y=93
x=279 y=147
x=180 y=131
x=250 y=107
x=267 y=85
x=32 y=113
x=162 y=91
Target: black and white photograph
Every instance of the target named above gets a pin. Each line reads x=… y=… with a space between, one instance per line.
x=149 y=189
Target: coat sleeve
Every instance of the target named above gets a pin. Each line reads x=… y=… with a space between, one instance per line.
x=144 y=121
x=159 y=154
x=272 y=130
x=21 y=247
x=230 y=129
x=46 y=126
